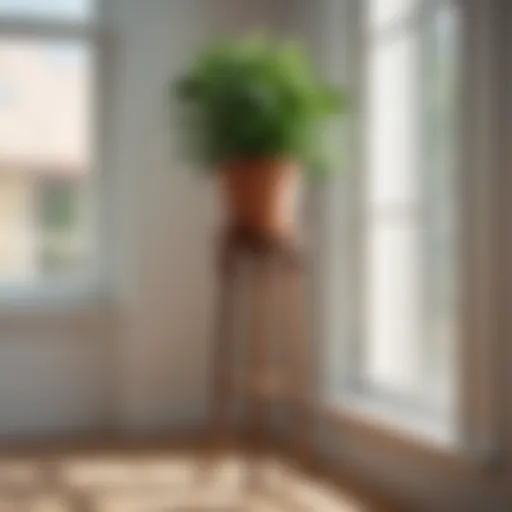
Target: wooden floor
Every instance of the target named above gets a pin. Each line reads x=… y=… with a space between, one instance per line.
x=106 y=478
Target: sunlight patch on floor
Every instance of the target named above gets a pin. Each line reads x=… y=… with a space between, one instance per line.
x=162 y=484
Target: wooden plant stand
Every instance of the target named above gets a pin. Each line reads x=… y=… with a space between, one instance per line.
x=261 y=283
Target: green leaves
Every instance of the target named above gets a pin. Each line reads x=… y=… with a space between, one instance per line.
x=254 y=99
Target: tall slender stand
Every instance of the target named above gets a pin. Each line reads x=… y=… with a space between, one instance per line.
x=261 y=282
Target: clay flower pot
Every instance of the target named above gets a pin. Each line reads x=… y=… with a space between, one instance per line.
x=262 y=195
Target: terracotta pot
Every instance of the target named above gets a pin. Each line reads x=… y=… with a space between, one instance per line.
x=262 y=195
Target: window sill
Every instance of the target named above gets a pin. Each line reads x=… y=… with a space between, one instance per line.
x=363 y=419
x=436 y=429
x=54 y=299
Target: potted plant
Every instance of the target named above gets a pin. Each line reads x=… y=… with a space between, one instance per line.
x=255 y=112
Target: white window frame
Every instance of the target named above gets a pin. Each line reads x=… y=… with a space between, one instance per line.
x=474 y=430
x=94 y=281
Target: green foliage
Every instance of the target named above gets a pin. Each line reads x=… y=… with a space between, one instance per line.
x=59 y=202
x=255 y=99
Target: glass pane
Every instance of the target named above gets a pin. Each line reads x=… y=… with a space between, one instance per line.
x=44 y=104
x=61 y=238
x=393 y=306
x=411 y=250
x=385 y=12
x=392 y=122
x=45 y=153
x=73 y=10
x=17 y=240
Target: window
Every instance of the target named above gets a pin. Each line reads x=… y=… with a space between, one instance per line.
x=409 y=197
x=47 y=87
x=402 y=348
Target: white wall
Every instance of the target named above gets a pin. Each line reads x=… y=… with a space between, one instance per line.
x=162 y=216
x=167 y=217
x=53 y=364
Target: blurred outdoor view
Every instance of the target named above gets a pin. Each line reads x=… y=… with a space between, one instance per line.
x=45 y=147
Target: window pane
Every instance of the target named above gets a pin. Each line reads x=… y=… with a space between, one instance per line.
x=44 y=104
x=385 y=12
x=393 y=306
x=46 y=9
x=61 y=240
x=45 y=153
x=410 y=197
x=17 y=242
x=392 y=122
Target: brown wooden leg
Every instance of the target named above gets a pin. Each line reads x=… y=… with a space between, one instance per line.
x=223 y=349
x=222 y=360
x=261 y=353
x=299 y=375
x=258 y=414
